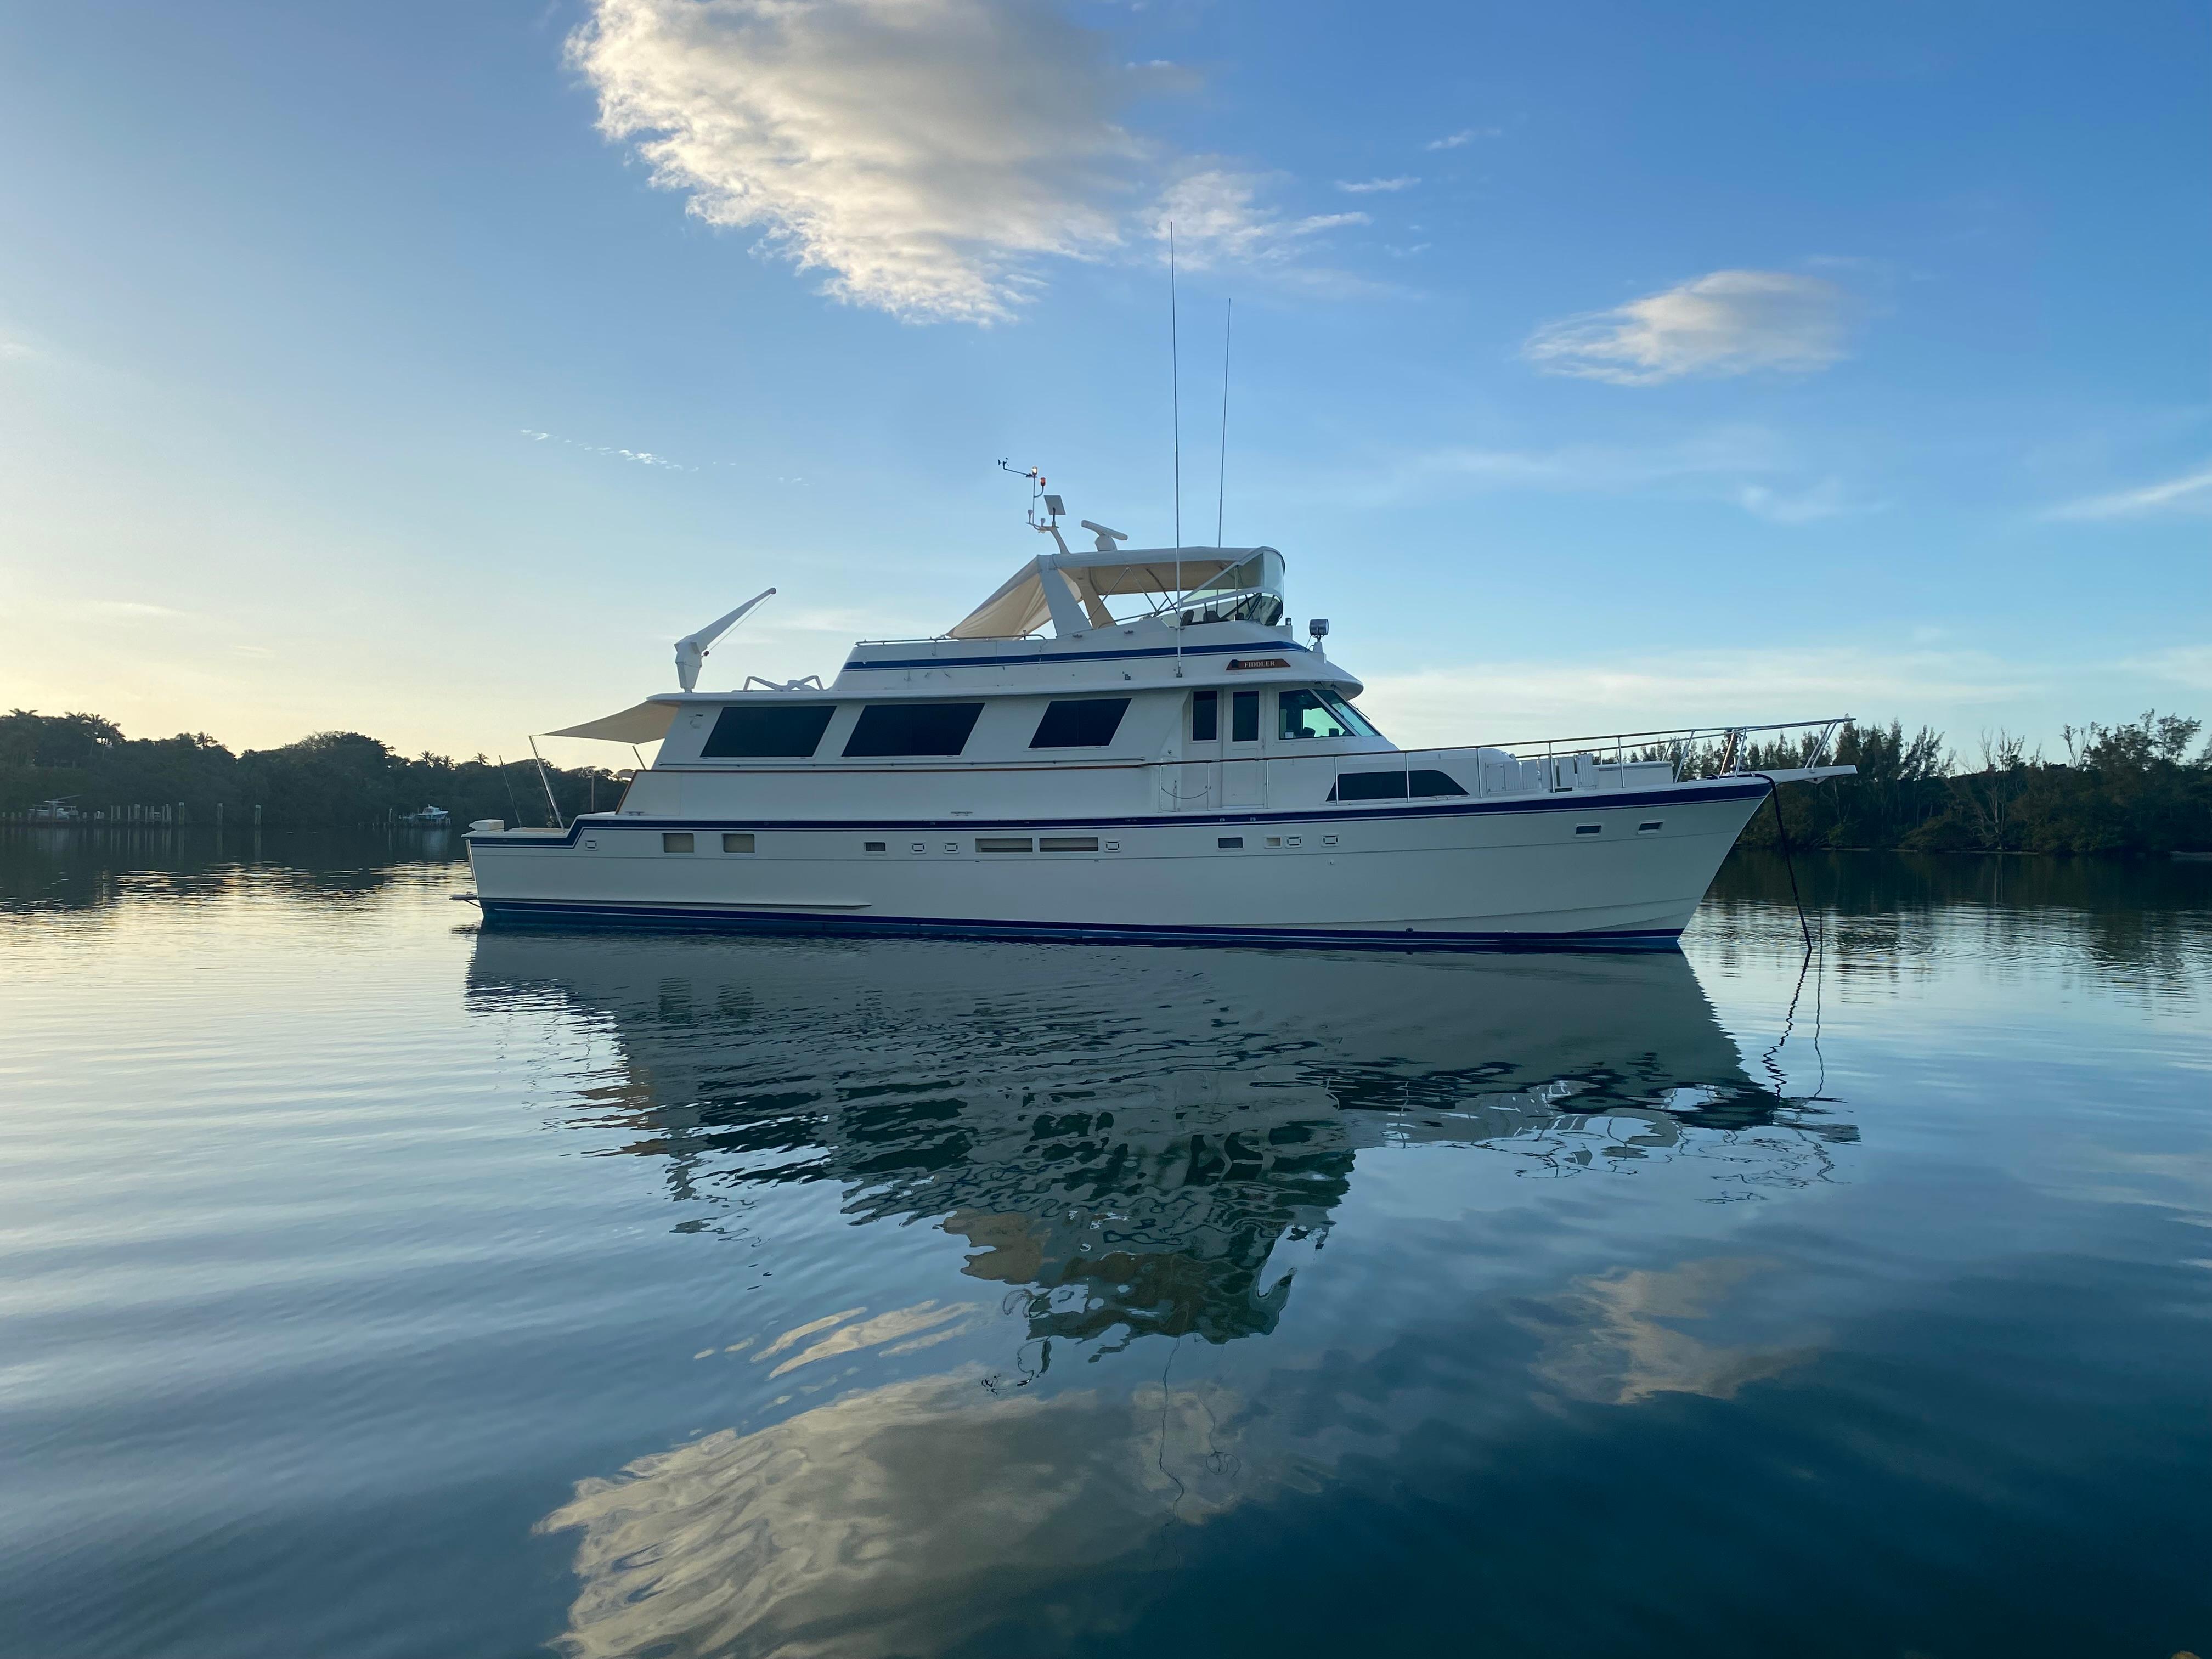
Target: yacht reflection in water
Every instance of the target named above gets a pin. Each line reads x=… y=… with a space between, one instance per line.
x=1145 y=1126
x=1133 y=1142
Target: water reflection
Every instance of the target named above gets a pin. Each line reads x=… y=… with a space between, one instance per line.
x=1132 y=1145
x=101 y=867
x=1130 y=1137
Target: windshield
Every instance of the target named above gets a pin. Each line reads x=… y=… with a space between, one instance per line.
x=1250 y=592
x=1319 y=715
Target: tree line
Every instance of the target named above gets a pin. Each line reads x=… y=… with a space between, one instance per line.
x=2134 y=789
x=331 y=778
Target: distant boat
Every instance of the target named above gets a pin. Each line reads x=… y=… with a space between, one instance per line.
x=56 y=811
x=1185 y=771
x=430 y=817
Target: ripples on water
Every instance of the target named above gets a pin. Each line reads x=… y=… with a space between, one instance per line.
x=380 y=1287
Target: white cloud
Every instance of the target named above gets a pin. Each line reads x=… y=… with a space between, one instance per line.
x=15 y=351
x=2190 y=493
x=2183 y=664
x=1370 y=186
x=1746 y=467
x=925 y=153
x=114 y=610
x=1824 y=500
x=1731 y=322
x=1217 y=217
x=642 y=456
x=1464 y=135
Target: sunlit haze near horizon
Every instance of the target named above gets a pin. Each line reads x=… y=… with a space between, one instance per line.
x=425 y=371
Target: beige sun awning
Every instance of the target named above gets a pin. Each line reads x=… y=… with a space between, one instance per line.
x=1020 y=607
x=644 y=722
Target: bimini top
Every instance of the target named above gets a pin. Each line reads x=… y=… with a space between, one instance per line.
x=1162 y=574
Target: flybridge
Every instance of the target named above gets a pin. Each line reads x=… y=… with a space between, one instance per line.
x=1179 y=585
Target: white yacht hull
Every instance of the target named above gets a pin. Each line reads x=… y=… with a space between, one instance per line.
x=1526 y=870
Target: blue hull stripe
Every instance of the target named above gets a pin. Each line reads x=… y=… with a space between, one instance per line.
x=1453 y=808
x=560 y=912
x=1034 y=659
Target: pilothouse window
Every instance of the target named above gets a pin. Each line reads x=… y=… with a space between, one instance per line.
x=1319 y=715
x=1205 y=716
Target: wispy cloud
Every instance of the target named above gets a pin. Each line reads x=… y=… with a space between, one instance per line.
x=1747 y=467
x=1731 y=322
x=2192 y=493
x=15 y=351
x=1217 y=214
x=1824 y=500
x=1458 y=140
x=2183 y=664
x=130 y=611
x=642 y=456
x=1372 y=186
x=1524 y=700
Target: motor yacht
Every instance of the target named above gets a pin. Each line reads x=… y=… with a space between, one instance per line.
x=1128 y=745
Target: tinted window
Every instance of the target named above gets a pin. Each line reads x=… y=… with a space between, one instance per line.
x=1088 y=724
x=1391 y=786
x=1205 y=716
x=913 y=728
x=763 y=729
x=1305 y=715
x=1244 y=717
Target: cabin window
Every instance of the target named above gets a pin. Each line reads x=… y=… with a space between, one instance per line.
x=767 y=730
x=1067 y=844
x=1205 y=716
x=1080 y=723
x=872 y=847
x=1244 y=717
x=1004 y=844
x=1393 y=786
x=737 y=843
x=1648 y=825
x=913 y=728
x=676 y=840
x=1589 y=829
x=1229 y=841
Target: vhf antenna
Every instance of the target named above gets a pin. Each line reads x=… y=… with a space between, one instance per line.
x=1221 y=484
x=1175 y=394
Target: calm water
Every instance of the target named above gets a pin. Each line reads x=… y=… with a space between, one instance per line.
x=378 y=1286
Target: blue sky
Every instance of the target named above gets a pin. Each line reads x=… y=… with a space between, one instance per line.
x=1594 y=365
